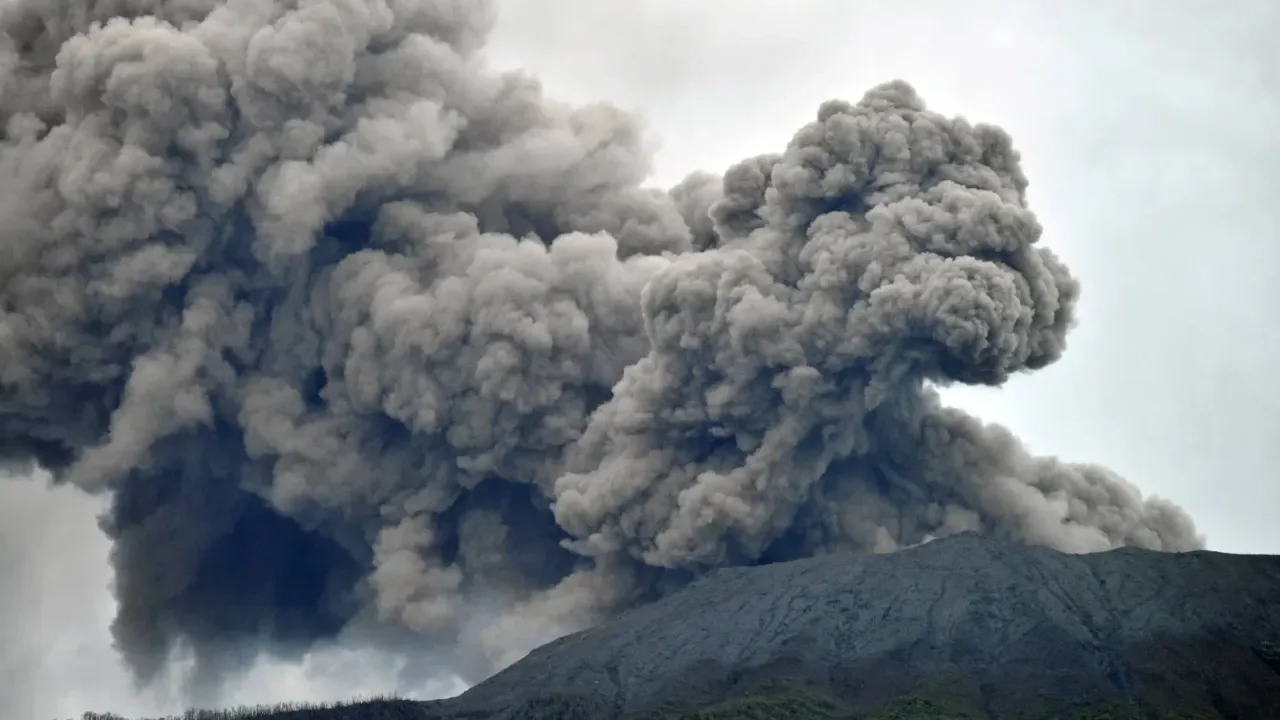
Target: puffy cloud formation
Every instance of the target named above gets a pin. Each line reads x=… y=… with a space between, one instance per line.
x=362 y=336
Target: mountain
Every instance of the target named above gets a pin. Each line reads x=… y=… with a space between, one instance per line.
x=969 y=624
x=963 y=627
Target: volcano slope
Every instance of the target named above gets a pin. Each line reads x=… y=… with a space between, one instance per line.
x=966 y=626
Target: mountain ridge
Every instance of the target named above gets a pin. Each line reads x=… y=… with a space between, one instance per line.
x=964 y=606
x=967 y=626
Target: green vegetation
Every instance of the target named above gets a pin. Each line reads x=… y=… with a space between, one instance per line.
x=564 y=707
x=795 y=705
x=802 y=703
x=379 y=708
x=809 y=704
x=924 y=708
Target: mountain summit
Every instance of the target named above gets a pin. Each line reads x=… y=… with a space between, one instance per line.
x=966 y=626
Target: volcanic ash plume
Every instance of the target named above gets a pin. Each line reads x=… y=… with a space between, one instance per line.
x=361 y=336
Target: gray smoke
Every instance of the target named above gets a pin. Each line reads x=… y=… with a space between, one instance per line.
x=360 y=335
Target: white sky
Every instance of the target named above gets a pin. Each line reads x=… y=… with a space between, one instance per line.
x=1148 y=130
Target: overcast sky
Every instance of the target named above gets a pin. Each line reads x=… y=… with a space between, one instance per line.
x=1147 y=130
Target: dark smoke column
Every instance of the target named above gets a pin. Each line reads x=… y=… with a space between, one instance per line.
x=782 y=409
x=361 y=336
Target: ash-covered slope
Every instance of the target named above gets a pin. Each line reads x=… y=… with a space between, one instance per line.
x=969 y=622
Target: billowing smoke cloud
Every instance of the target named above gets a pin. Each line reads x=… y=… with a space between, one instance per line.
x=363 y=337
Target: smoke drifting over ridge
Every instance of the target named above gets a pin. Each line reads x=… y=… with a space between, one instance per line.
x=359 y=333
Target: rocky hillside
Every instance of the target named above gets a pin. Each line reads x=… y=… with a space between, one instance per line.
x=965 y=627
x=969 y=625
